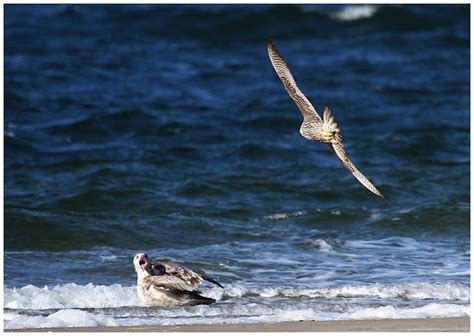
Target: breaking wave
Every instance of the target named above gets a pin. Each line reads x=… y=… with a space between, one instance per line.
x=90 y=305
x=100 y=296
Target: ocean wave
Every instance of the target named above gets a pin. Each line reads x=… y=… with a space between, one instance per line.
x=70 y=295
x=432 y=310
x=62 y=319
x=406 y=291
x=406 y=243
x=100 y=296
x=250 y=313
x=90 y=305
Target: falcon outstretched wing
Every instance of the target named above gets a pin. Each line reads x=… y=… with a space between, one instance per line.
x=341 y=154
x=283 y=71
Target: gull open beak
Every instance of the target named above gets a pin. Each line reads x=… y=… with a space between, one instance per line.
x=142 y=262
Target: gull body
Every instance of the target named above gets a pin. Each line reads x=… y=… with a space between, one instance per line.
x=166 y=284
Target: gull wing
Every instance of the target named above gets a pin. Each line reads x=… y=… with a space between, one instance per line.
x=338 y=149
x=284 y=73
x=168 y=282
x=190 y=277
x=154 y=286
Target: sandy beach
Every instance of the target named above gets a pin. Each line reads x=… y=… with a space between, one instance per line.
x=456 y=324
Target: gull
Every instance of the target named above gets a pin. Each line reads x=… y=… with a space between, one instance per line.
x=313 y=127
x=166 y=284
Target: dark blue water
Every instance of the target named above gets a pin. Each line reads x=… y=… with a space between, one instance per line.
x=164 y=128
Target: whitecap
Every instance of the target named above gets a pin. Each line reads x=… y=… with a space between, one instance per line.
x=321 y=245
x=357 y=12
x=285 y=215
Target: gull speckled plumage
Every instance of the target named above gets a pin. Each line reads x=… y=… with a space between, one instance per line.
x=166 y=284
x=313 y=127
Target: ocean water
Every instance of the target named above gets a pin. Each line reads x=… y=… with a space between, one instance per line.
x=164 y=129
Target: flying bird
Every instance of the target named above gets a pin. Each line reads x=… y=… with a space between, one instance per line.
x=166 y=284
x=313 y=127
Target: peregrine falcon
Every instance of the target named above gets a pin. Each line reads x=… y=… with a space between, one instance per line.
x=313 y=127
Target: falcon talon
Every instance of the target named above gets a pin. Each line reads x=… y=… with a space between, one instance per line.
x=328 y=136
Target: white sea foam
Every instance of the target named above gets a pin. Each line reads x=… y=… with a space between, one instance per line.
x=70 y=296
x=237 y=313
x=321 y=244
x=432 y=310
x=285 y=215
x=61 y=319
x=407 y=291
x=238 y=304
x=7 y=316
x=355 y=12
x=100 y=296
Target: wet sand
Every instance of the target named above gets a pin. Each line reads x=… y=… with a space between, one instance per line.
x=459 y=324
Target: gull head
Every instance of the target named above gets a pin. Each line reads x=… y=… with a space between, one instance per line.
x=142 y=264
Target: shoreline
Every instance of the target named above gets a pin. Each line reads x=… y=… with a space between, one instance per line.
x=454 y=324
